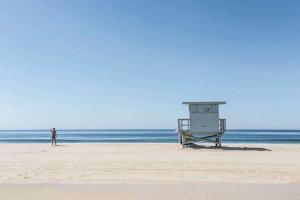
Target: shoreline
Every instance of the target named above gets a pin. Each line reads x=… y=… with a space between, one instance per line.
x=159 y=143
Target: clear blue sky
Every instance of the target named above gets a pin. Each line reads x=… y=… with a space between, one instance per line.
x=130 y=64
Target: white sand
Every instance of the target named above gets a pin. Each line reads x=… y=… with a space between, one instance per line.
x=135 y=171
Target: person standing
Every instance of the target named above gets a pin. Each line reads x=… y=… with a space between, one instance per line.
x=53 y=136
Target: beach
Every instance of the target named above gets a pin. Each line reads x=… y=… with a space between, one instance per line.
x=149 y=171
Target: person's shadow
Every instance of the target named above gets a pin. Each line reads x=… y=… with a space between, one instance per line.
x=227 y=148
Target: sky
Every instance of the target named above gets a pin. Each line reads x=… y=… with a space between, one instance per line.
x=130 y=64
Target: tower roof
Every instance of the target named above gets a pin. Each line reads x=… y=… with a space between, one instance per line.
x=204 y=102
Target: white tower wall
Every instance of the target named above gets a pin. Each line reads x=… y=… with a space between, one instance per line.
x=204 y=118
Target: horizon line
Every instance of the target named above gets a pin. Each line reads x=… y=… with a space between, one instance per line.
x=150 y=129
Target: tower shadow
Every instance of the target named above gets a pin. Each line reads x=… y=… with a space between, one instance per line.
x=227 y=148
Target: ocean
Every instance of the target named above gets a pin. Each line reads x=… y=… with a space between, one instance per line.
x=144 y=136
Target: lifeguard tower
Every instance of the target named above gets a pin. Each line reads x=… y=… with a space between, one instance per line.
x=204 y=124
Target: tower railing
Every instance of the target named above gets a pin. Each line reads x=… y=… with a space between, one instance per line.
x=185 y=125
x=186 y=136
x=222 y=125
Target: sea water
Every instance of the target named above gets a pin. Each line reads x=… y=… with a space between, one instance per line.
x=143 y=136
